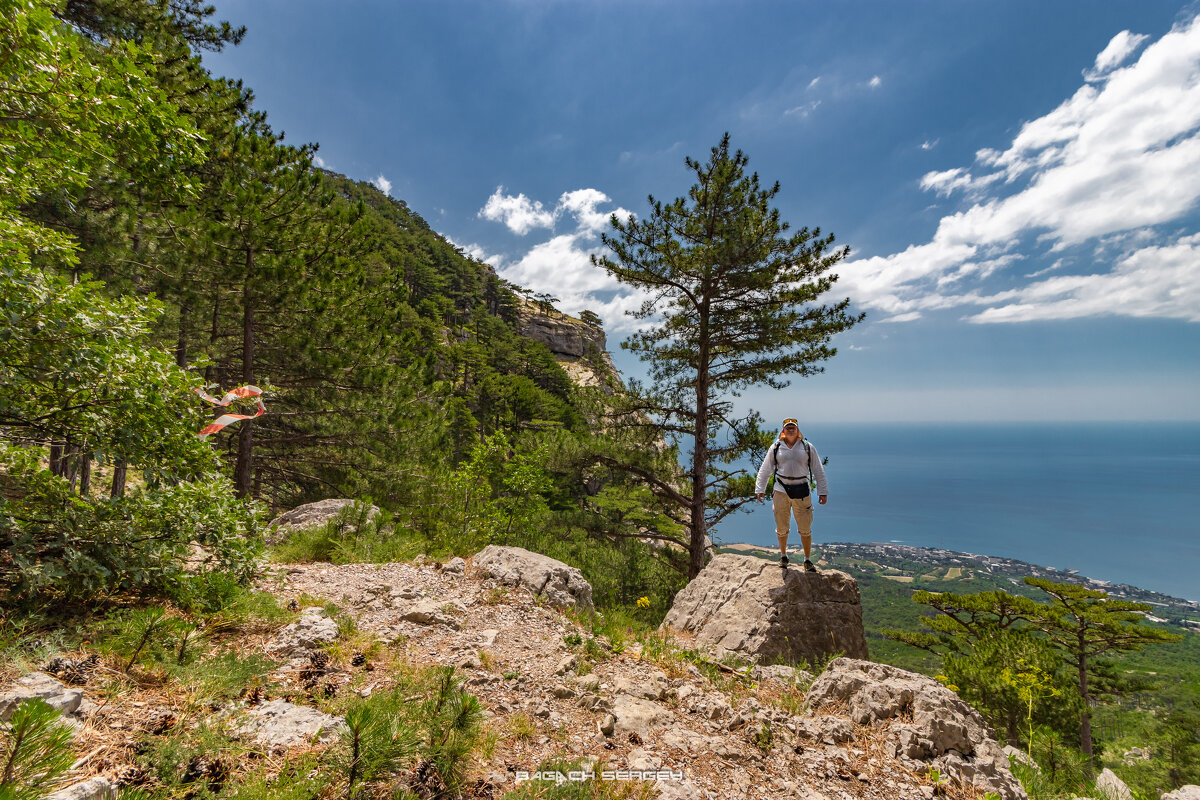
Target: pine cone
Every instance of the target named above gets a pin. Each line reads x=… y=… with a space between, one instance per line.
x=55 y=665
x=634 y=738
x=162 y=723
x=426 y=782
x=73 y=674
x=218 y=773
x=319 y=659
x=196 y=769
x=358 y=660
x=254 y=696
x=329 y=690
x=131 y=775
x=293 y=606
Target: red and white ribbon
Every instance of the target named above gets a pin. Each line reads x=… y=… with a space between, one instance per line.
x=226 y=419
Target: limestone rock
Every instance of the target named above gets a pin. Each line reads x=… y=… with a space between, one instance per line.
x=651 y=686
x=748 y=606
x=283 y=724
x=1188 y=792
x=562 y=335
x=309 y=515
x=1109 y=786
x=39 y=685
x=562 y=586
x=1019 y=756
x=430 y=612
x=454 y=566
x=635 y=715
x=945 y=732
x=92 y=789
x=786 y=675
x=311 y=632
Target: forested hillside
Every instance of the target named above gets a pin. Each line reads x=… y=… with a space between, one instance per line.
x=160 y=237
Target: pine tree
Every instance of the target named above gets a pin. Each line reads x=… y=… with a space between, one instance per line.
x=738 y=301
x=1087 y=623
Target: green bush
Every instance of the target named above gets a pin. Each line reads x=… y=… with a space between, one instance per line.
x=61 y=546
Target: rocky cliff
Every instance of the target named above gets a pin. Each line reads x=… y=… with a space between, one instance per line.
x=579 y=347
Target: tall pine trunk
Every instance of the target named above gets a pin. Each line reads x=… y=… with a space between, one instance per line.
x=1085 y=713
x=700 y=454
x=118 y=479
x=85 y=474
x=181 y=340
x=244 y=471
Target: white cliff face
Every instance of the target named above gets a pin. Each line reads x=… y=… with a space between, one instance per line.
x=580 y=348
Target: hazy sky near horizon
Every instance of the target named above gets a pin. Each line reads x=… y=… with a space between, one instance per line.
x=1018 y=182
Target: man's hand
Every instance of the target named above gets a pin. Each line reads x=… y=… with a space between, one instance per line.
x=824 y=497
x=759 y=496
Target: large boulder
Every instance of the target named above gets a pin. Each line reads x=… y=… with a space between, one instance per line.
x=309 y=515
x=750 y=607
x=944 y=732
x=1189 y=792
x=562 y=586
x=1110 y=787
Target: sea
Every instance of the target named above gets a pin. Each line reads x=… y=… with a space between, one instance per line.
x=1117 y=501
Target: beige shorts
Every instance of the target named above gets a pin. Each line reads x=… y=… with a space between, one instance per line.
x=781 y=504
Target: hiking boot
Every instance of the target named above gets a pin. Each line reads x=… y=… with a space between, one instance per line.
x=783 y=562
x=808 y=566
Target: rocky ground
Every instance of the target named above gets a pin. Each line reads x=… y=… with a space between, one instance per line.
x=550 y=691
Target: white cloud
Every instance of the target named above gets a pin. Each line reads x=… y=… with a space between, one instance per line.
x=875 y=82
x=519 y=213
x=382 y=184
x=1119 y=48
x=929 y=144
x=320 y=162
x=812 y=84
x=561 y=265
x=1099 y=171
x=582 y=203
x=1161 y=281
x=803 y=110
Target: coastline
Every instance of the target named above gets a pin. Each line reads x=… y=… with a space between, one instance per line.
x=889 y=557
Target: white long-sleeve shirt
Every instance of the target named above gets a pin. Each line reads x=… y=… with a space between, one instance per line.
x=794 y=462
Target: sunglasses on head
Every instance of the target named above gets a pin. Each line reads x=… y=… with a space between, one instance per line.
x=787 y=422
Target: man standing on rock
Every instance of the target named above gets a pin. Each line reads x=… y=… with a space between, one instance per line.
x=792 y=460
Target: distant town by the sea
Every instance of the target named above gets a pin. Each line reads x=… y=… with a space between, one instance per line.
x=1115 y=501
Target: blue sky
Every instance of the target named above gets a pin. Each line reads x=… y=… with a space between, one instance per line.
x=1018 y=182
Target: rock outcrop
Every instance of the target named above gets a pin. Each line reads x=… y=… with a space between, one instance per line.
x=945 y=732
x=1110 y=787
x=1188 y=792
x=562 y=335
x=579 y=348
x=560 y=585
x=311 y=632
x=309 y=515
x=750 y=607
